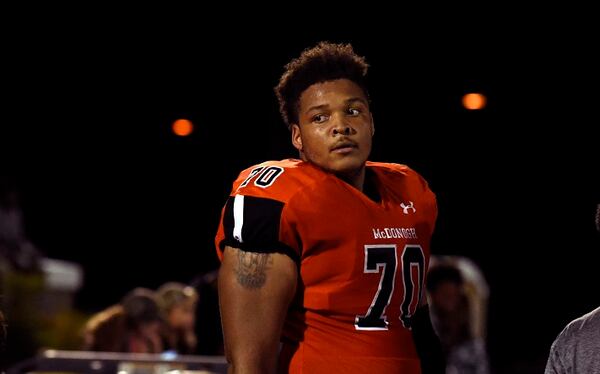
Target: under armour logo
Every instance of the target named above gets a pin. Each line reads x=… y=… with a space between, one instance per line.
x=405 y=207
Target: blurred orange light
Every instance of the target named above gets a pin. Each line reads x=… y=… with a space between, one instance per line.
x=183 y=127
x=474 y=101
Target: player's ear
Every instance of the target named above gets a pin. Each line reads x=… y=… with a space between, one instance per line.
x=296 y=137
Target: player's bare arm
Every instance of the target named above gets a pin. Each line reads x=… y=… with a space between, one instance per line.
x=255 y=291
x=251 y=268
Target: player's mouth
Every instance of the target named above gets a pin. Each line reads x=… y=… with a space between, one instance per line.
x=344 y=147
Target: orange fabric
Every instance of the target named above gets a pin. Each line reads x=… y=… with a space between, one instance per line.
x=331 y=226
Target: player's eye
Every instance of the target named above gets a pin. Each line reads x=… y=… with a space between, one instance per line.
x=319 y=118
x=353 y=111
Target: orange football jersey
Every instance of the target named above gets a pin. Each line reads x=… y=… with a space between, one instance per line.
x=362 y=262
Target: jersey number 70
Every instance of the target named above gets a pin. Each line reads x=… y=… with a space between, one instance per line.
x=384 y=256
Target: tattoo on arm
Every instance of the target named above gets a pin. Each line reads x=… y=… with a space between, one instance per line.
x=251 y=268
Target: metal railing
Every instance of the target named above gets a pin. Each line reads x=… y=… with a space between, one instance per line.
x=119 y=363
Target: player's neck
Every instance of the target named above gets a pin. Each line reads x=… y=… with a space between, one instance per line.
x=355 y=179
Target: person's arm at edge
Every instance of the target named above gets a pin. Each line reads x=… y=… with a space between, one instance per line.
x=255 y=290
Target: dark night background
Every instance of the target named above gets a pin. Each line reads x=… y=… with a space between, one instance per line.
x=85 y=132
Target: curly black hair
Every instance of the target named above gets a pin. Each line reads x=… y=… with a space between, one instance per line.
x=324 y=62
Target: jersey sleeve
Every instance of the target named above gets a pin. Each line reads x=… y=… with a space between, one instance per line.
x=257 y=216
x=429 y=200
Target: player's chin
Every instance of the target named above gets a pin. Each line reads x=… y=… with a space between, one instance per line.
x=347 y=165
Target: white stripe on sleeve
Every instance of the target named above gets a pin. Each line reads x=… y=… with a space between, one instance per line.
x=238 y=217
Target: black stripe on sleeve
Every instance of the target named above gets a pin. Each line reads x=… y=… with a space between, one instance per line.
x=260 y=230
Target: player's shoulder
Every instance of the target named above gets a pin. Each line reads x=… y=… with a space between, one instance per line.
x=399 y=173
x=391 y=167
x=278 y=180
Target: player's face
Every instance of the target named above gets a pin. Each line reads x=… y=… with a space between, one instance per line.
x=335 y=127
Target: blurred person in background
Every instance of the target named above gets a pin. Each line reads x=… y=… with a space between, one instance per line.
x=456 y=316
x=16 y=249
x=22 y=280
x=132 y=326
x=577 y=348
x=177 y=304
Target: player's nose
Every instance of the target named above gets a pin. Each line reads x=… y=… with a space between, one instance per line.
x=341 y=126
